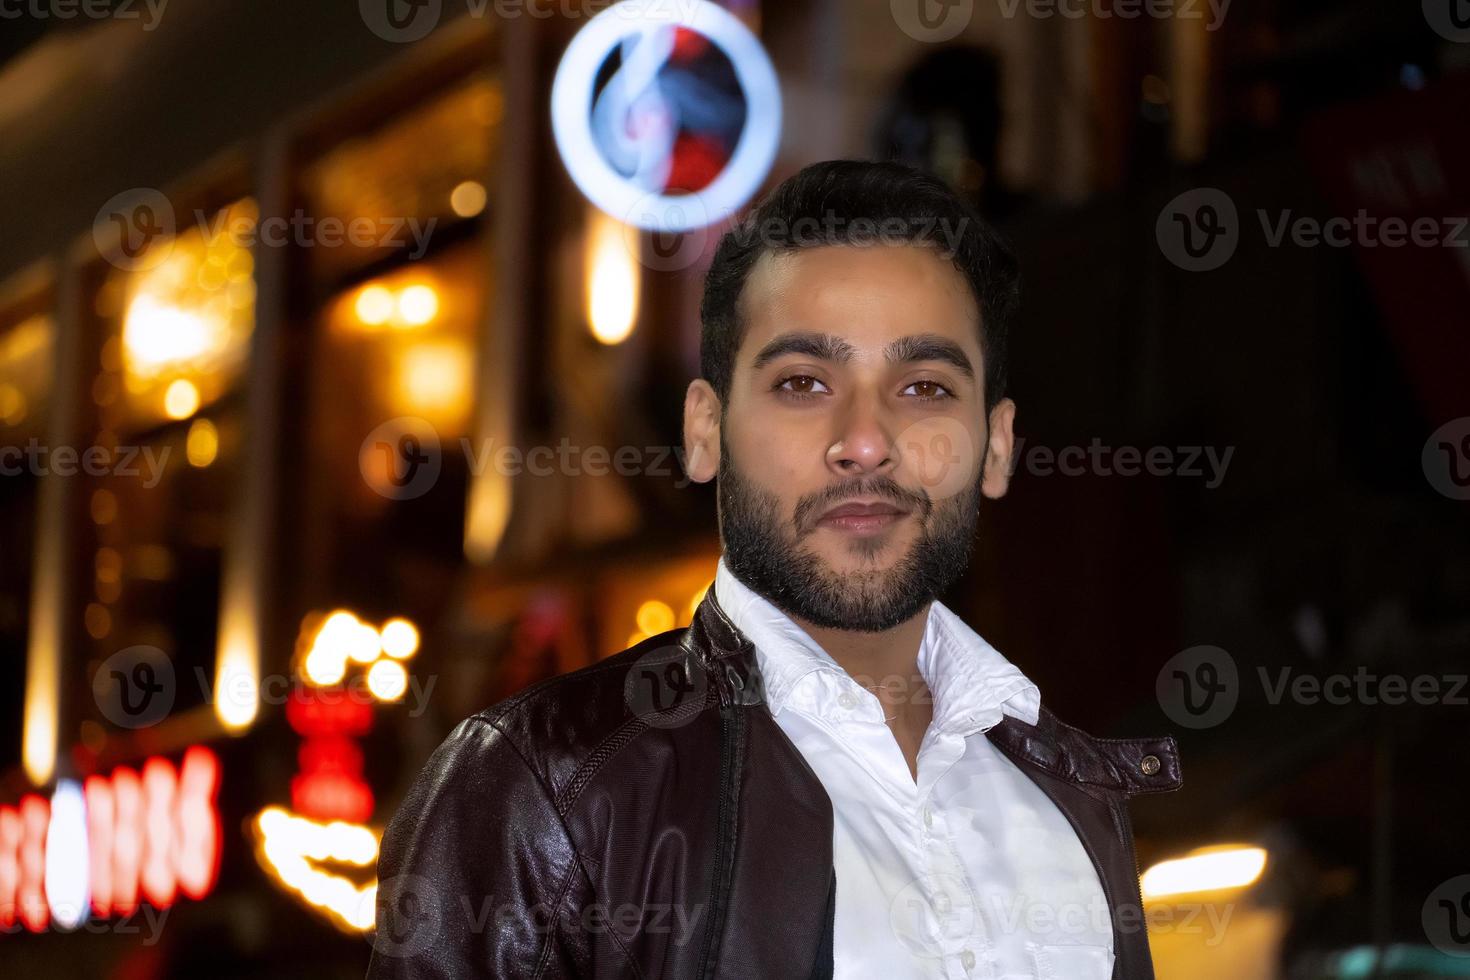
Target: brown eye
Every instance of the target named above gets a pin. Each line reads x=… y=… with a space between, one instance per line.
x=933 y=385
x=802 y=391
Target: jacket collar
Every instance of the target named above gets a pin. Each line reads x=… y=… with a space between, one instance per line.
x=1124 y=766
x=972 y=684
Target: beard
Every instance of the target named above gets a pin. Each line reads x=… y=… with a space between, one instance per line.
x=766 y=552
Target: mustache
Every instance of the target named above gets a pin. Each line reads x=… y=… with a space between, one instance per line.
x=809 y=510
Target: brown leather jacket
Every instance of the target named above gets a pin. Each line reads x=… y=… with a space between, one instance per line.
x=647 y=817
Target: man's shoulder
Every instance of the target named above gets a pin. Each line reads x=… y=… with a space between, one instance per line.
x=558 y=726
x=1131 y=766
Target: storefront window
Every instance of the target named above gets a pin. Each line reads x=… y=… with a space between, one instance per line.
x=168 y=390
x=392 y=363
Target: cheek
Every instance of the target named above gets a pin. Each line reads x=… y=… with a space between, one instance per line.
x=942 y=455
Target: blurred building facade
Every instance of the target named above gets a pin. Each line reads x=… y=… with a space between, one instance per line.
x=248 y=377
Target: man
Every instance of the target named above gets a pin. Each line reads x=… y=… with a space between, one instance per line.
x=828 y=773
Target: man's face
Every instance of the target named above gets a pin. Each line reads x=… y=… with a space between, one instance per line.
x=859 y=380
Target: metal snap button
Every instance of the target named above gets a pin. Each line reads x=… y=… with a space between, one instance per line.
x=1150 y=765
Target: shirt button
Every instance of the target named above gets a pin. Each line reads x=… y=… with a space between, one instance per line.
x=968 y=959
x=847 y=700
x=928 y=817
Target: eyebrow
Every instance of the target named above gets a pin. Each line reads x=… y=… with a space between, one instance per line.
x=828 y=347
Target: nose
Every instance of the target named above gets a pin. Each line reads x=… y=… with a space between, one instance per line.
x=866 y=446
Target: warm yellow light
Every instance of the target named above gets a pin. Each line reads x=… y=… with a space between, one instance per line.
x=1205 y=869
x=374 y=305
x=236 y=677
x=103 y=506
x=612 y=281
x=181 y=399
x=387 y=680
x=363 y=643
x=698 y=598
x=468 y=199
x=339 y=624
x=97 y=620
x=38 y=743
x=158 y=336
x=108 y=564
x=202 y=444
x=655 y=617
x=400 y=639
x=291 y=847
x=417 y=305
x=435 y=379
x=338 y=636
x=12 y=404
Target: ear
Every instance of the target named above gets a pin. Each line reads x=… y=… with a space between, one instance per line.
x=701 y=431
x=997 y=476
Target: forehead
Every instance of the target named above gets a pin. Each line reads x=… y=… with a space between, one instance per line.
x=868 y=295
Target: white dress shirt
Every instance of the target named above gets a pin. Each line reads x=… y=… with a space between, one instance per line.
x=970 y=873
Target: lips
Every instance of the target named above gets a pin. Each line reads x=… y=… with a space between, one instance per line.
x=862 y=510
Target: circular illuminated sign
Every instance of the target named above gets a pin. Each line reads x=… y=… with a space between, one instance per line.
x=667 y=113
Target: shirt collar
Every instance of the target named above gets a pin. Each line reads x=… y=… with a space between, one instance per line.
x=972 y=684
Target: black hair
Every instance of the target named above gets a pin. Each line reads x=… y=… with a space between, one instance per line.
x=853 y=202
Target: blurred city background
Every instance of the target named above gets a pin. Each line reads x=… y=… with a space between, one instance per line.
x=334 y=408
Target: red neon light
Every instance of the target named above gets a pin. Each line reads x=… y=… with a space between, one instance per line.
x=198 y=853
x=10 y=836
x=101 y=822
x=158 y=834
x=127 y=840
x=160 y=877
x=328 y=711
x=35 y=813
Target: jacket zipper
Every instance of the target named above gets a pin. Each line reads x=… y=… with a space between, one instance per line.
x=1127 y=823
x=731 y=727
